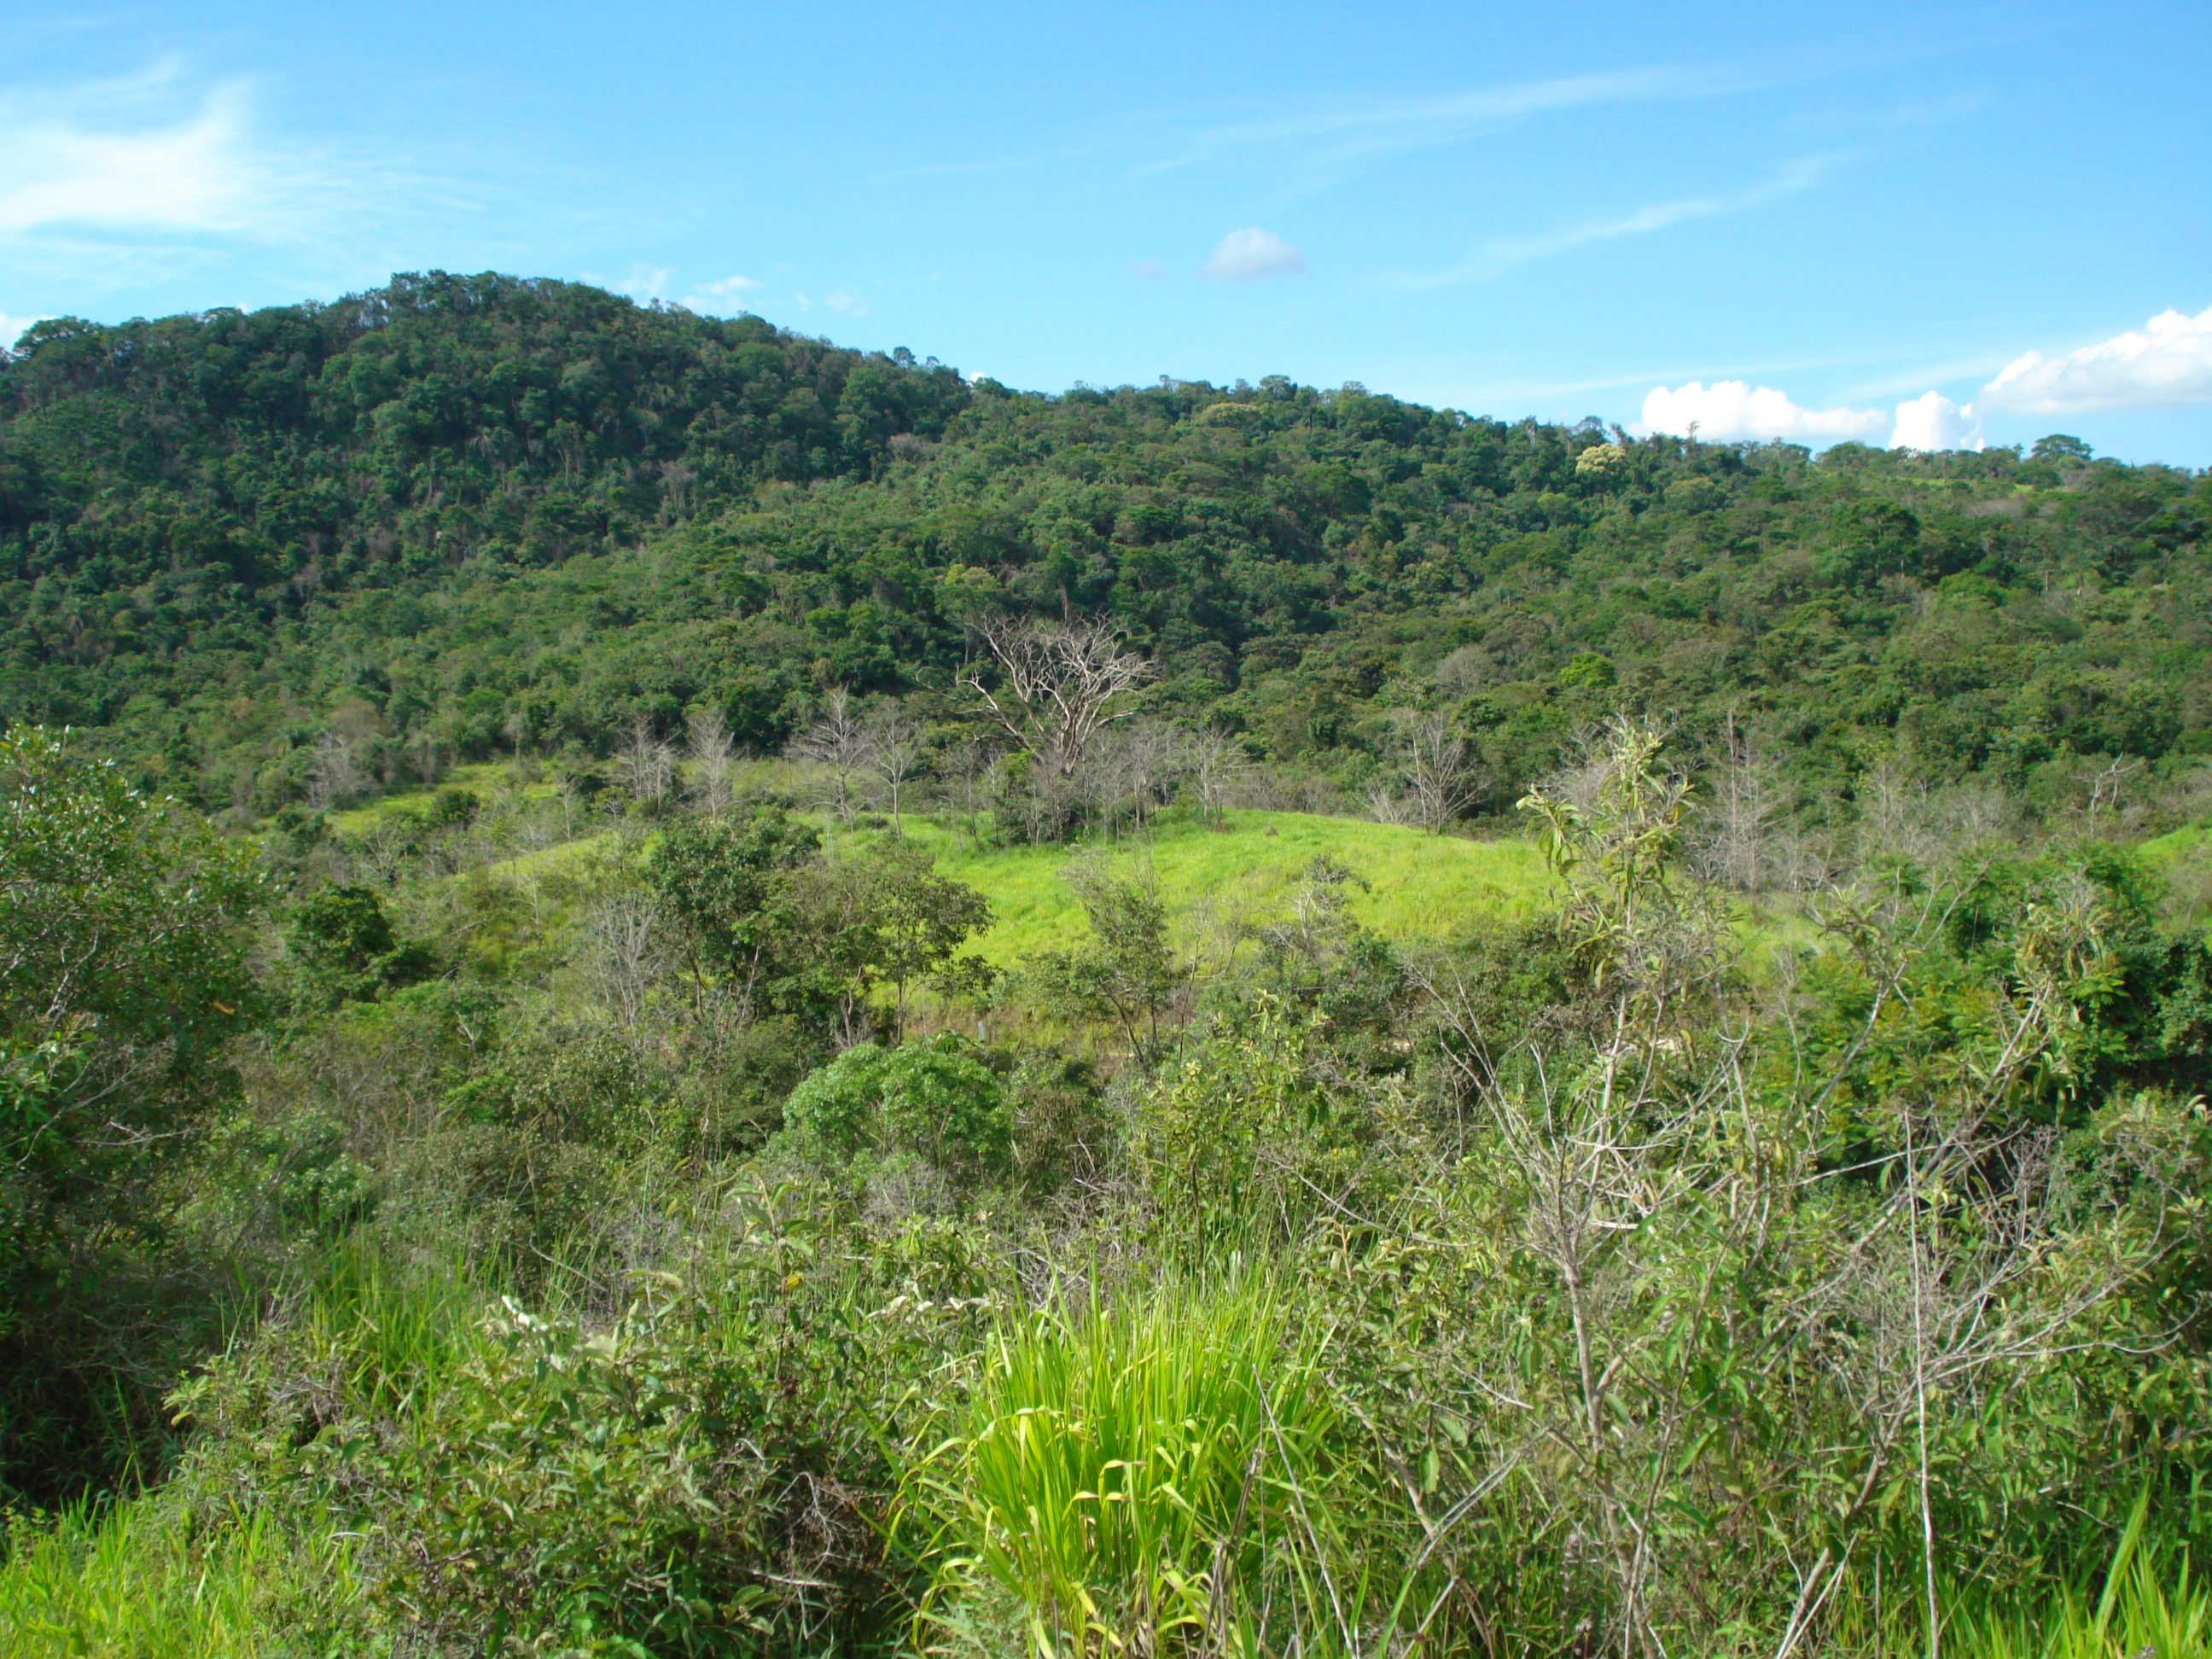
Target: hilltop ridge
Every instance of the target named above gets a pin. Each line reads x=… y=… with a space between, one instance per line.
x=458 y=516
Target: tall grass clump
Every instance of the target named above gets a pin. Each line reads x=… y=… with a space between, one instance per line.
x=2154 y=1606
x=138 y=1578
x=1144 y=1476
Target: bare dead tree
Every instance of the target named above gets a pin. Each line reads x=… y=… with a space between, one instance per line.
x=1439 y=775
x=1739 y=821
x=2108 y=785
x=1215 y=767
x=334 y=775
x=626 y=953
x=1057 y=689
x=1132 y=767
x=971 y=764
x=838 y=742
x=713 y=754
x=893 y=751
x=647 y=766
x=1467 y=669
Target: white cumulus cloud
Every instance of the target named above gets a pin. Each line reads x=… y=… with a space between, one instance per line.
x=1732 y=412
x=1933 y=421
x=2169 y=361
x=1245 y=255
x=1729 y=411
x=11 y=330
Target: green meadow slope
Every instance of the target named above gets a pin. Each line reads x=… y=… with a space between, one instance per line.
x=1409 y=884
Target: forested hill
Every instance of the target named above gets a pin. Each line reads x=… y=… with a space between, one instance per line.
x=460 y=515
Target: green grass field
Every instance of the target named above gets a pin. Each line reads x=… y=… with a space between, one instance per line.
x=1213 y=881
x=1417 y=884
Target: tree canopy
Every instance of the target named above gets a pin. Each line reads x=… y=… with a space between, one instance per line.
x=458 y=516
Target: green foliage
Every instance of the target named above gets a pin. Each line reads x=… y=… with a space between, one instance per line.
x=878 y=920
x=138 y=1578
x=932 y=1100
x=775 y=926
x=1350 y=983
x=1128 y=973
x=1242 y=1144
x=461 y=517
x=342 y=946
x=721 y=878
x=649 y=1463
x=601 y=1489
x=1416 y=886
x=1359 y=1242
x=123 y=974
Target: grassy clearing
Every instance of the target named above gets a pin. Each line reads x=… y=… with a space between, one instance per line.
x=1419 y=886
x=483 y=778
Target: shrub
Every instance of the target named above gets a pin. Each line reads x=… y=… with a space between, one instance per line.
x=343 y=949
x=667 y=1482
x=931 y=1100
x=1239 y=1142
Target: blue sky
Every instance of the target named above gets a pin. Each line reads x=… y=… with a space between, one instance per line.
x=1774 y=220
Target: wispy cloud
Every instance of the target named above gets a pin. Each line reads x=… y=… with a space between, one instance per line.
x=1501 y=254
x=131 y=154
x=989 y=164
x=126 y=181
x=842 y=300
x=643 y=283
x=1323 y=140
x=1342 y=132
x=723 y=294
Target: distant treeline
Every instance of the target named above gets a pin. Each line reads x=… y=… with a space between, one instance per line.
x=466 y=515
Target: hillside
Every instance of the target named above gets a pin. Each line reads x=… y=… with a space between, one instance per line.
x=691 y=994
x=462 y=516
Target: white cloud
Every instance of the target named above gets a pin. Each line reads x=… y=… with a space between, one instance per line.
x=1729 y=410
x=644 y=282
x=1344 y=133
x=723 y=294
x=1932 y=421
x=1503 y=253
x=1246 y=255
x=125 y=181
x=1732 y=412
x=2171 y=362
x=11 y=329
x=116 y=154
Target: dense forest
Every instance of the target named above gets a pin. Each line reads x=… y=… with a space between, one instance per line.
x=669 y=990
x=463 y=516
